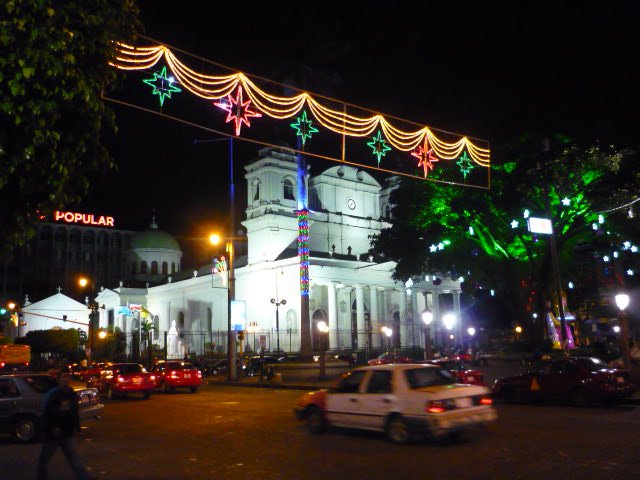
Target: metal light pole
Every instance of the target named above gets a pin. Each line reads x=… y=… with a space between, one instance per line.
x=277 y=304
x=449 y=320
x=622 y=301
x=231 y=339
x=323 y=328
x=427 y=318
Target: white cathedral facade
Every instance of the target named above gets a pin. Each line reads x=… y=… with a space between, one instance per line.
x=349 y=289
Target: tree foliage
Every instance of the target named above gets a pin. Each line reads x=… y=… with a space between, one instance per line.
x=53 y=341
x=483 y=236
x=53 y=70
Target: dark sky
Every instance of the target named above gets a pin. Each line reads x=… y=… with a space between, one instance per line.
x=486 y=69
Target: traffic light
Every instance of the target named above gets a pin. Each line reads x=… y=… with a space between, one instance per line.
x=240 y=335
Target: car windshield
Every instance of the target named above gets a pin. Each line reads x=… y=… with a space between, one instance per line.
x=591 y=363
x=428 y=377
x=130 y=368
x=180 y=366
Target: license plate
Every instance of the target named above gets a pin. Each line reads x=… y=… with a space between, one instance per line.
x=463 y=402
x=469 y=379
x=620 y=379
x=137 y=380
x=187 y=375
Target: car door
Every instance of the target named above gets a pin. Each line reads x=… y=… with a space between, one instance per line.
x=556 y=382
x=343 y=403
x=377 y=401
x=9 y=396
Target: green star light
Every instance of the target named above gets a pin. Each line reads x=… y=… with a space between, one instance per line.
x=304 y=128
x=465 y=164
x=162 y=86
x=379 y=146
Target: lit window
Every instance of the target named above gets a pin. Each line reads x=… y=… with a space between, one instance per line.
x=288 y=189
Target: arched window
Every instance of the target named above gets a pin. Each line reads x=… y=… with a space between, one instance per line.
x=181 y=324
x=287 y=185
x=143 y=267
x=165 y=268
x=154 y=268
x=387 y=211
x=173 y=267
x=256 y=190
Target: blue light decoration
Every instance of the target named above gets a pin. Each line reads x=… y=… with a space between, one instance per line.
x=566 y=201
x=514 y=224
x=303 y=250
x=162 y=86
x=526 y=213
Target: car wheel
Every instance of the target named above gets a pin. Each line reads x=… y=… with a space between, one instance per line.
x=580 y=397
x=398 y=431
x=193 y=389
x=164 y=387
x=146 y=394
x=316 y=423
x=25 y=429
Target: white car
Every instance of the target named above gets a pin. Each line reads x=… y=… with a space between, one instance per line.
x=403 y=400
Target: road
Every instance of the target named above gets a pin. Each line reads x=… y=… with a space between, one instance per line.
x=250 y=433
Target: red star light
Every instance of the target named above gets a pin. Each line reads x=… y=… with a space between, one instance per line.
x=425 y=157
x=237 y=110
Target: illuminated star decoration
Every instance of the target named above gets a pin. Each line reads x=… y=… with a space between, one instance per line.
x=465 y=164
x=514 y=224
x=304 y=128
x=237 y=110
x=162 y=86
x=566 y=201
x=425 y=157
x=379 y=146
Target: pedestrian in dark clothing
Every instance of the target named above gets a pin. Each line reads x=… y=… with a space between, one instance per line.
x=61 y=421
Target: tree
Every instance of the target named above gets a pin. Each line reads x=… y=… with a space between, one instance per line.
x=483 y=236
x=53 y=70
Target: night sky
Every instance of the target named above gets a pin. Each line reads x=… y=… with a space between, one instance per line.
x=491 y=70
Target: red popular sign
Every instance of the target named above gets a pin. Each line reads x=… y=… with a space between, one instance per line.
x=84 y=218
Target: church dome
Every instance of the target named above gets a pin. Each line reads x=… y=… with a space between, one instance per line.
x=153 y=238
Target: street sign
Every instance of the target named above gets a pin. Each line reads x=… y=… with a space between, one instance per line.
x=263 y=341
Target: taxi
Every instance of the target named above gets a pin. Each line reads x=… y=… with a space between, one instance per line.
x=402 y=400
x=119 y=379
x=173 y=374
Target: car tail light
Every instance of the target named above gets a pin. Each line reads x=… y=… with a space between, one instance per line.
x=199 y=373
x=120 y=379
x=2 y=364
x=173 y=374
x=486 y=401
x=439 y=406
x=152 y=377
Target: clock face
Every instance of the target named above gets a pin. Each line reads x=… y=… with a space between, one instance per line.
x=351 y=203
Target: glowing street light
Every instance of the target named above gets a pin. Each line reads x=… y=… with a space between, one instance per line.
x=427 y=318
x=622 y=301
x=323 y=328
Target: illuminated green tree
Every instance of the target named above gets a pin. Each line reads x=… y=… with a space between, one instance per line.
x=53 y=71
x=483 y=236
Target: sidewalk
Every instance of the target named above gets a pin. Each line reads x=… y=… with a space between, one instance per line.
x=491 y=372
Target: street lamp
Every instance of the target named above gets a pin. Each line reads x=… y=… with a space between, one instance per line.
x=323 y=328
x=449 y=320
x=427 y=318
x=277 y=303
x=388 y=331
x=622 y=301
x=518 y=331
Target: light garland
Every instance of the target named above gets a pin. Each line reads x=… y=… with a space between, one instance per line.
x=216 y=87
x=303 y=250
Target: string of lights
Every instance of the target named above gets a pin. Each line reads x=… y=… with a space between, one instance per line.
x=227 y=89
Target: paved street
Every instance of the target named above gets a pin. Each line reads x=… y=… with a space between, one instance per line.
x=250 y=433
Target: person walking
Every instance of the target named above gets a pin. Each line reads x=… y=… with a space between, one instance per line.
x=61 y=420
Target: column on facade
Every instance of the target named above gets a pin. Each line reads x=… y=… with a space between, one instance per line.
x=416 y=318
x=458 y=314
x=360 y=325
x=344 y=324
x=404 y=334
x=374 y=319
x=333 y=315
x=436 y=324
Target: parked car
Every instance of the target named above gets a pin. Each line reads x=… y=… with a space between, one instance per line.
x=216 y=367
x=460 y=371
x=579 y=380
x=172 y=374
x=462 y=355
x=403 y=400
x=119 y=379
x=253 y=365
x=91 y=371
x=388 y=357
x=21 y=397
